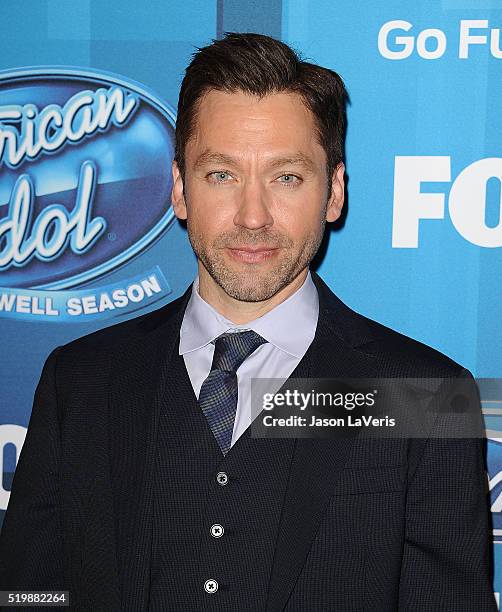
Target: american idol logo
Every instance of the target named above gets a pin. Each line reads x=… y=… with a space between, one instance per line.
x=85 y=183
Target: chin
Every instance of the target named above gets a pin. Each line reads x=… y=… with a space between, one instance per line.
x=250 y=296
x=250 y=289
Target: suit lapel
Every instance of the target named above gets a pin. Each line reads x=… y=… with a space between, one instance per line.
x=316 y=464
x=134 y=407
x=135 y=402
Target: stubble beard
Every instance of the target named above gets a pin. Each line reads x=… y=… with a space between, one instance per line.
x=254 y=282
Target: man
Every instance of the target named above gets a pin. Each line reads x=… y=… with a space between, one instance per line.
x=139 y=486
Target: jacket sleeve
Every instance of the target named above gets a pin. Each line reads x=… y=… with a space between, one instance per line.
x=31 y=555
x=446 y=562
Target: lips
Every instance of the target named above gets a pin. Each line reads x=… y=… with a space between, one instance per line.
x=250 y=255
x=252 y=249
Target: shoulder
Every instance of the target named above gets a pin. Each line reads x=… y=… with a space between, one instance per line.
x=403 y=349
x=384 y=350
x=120 y=336
x=403 y=355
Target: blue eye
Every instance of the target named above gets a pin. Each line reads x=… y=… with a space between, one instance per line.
x=220 y=176
x=290 y=180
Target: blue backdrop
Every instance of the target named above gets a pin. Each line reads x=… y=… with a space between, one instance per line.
x=87 y=237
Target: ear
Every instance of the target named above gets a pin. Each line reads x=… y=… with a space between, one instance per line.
x=337 y=197
x=177 y=195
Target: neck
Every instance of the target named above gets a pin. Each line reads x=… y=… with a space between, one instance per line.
x=242 y=312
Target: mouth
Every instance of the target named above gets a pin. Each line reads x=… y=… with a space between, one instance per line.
x=252 y=254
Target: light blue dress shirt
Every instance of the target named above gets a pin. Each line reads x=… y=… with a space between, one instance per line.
x=289 y=329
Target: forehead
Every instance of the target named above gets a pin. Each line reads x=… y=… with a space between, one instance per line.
x=240 y=123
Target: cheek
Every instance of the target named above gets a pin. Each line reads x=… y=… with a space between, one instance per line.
x=300 y=216
x=208 y=202
x=206 y=222
x=206 y=211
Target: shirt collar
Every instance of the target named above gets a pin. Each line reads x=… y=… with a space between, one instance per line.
x=290 y=326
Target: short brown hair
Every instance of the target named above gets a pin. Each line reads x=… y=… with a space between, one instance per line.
x=261 y=65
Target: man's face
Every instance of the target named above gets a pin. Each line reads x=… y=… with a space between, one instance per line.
x=255 y=192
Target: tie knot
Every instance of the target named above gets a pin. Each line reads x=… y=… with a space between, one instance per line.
x=231 y=349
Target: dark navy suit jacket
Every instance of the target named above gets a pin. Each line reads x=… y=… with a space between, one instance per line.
x=408 y=524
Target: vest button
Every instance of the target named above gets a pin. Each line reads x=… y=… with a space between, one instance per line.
x=211 y=586
x=217 y=530
x=221 y=478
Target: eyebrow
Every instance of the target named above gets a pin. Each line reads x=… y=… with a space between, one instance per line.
x=294 y=160
x=209 y=157
x=298 y=159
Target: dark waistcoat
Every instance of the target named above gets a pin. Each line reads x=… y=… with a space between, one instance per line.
x=189 y=500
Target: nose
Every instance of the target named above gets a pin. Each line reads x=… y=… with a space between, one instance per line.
x=254 y=206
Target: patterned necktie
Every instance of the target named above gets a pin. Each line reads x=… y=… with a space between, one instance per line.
x=218 y=394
